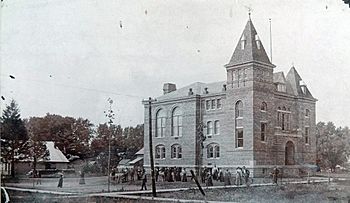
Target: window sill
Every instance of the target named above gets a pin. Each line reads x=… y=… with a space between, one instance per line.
x=263 y=141
x=239 y=147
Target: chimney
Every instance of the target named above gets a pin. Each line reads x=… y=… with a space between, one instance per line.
x=168 y=87
x=190 y=92
x=224 y=87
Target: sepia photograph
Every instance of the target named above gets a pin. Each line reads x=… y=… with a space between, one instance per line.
x=106 y=101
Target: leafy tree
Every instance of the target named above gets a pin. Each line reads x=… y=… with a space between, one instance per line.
x=332 y=146
x=70 y=135
x=37 y=147
x=99 y=145
x=133 y=140
x=14 y=145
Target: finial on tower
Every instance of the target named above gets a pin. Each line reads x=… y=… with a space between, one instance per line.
x=249 y=8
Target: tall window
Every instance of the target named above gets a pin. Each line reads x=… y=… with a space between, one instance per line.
x=263 y=131
x=307 y=131
x=209 y=128
x=239 y=109
x=218 y=103
x=283 y=118
x=216 y=127
x=207 y=104
x=213 y=151
x=176 y=151
x=239 y=137
x=160 y=152
x=213 y=104
x=243 y=42
x=263 y=106
x=244 y=76
x=307 y=113
x=176 y=122
x=160 y=123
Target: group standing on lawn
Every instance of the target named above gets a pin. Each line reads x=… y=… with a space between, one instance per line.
x=217 y=174
x=177 y=174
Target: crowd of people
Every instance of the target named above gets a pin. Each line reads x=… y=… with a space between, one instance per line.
x=208 y=175
x=177 y=174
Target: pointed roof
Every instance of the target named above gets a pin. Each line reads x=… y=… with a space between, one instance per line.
x=252 y=51
x=296 y=83
x=279 y=78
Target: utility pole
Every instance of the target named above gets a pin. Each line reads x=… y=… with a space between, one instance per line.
x=154 y=194
x=270 y=40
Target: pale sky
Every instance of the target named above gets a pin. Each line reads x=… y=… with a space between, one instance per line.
x=70 y=56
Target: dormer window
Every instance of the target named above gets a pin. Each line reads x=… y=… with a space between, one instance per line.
x=302 y=86
x=257 y=40
x=243 y=42
x=281 y=87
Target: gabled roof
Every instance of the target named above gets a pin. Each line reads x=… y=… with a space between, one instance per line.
x=295 y=84
x=251 y=52
x=279 y=78
x=55 y=154
x=198 y=88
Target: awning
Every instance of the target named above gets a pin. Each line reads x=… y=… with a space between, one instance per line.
x=136 y=160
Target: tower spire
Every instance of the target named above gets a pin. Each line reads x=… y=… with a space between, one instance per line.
x=249 y=48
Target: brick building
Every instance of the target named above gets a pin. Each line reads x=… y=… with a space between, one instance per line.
x=255 y=118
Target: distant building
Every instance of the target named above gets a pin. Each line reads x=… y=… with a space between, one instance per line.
x=255 y=118
x=55 y=160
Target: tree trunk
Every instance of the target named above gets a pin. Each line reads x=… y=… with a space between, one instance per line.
x=12 y=161
x=13 y=167
x=34 y=164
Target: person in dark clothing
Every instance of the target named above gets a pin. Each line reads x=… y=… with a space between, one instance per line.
x=209 y=179
x=275 y=173
x=144 y=181
x=60 y=181
x=203 y=174
x=245 y=174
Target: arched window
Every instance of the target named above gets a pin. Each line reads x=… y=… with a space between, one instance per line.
x=176 y=151
x=307 y=112
x=263 y=106
x=176 y=122
x=239 y=109
x=216 y=127
x=160 y=123
x=209 y=128
x=213 y=151
x=160 y=152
